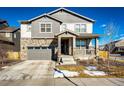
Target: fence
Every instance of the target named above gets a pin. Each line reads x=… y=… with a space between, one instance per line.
x=13 y=55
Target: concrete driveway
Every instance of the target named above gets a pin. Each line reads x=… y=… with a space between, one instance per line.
x=28 y=73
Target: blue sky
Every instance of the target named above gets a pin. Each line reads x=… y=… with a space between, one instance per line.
x=103 y=16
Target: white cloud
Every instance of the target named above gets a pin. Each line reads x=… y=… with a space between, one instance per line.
x=103 y=25
x=121 y=37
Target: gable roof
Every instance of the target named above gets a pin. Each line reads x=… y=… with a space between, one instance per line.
x=9 y=30
x=71 y=12
x=43 y=15
x=67 y=31
x=60 y=9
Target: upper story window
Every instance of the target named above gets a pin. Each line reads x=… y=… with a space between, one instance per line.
x=7 y=34
x=64 y=27
x=46 y=27
x=80 y=28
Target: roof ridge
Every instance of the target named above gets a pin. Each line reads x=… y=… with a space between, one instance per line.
x=61 y=8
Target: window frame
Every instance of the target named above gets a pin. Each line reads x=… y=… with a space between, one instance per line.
x=6 y=34
x=63 y=29
x=80 y=45
x=45 y=27
x=80 y=28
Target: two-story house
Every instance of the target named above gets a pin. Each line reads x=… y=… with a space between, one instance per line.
x=60 y=32
x=9 y=36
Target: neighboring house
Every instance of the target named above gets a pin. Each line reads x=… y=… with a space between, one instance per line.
x=10 y=35
x=60 y=32
x=116 y=47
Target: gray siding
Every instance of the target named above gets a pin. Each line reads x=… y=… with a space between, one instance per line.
x=8 y=38
x=68 y=18
x=16 y=41
x=36 y=29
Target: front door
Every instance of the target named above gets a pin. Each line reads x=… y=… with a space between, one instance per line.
x=65 y=46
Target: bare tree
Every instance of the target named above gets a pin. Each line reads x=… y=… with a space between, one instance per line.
x=3 y=49
x=3 y=54
x=110 y=33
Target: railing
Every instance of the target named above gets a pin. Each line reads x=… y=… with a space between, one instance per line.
x=78 y=51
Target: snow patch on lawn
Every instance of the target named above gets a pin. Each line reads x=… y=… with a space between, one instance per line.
x=4 y=67
x=91 y=68
x=66 y=73
x=95 y=73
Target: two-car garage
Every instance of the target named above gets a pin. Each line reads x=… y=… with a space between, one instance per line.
x=39 y=53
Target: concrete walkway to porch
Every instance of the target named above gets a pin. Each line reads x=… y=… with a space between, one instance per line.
x=68 y=60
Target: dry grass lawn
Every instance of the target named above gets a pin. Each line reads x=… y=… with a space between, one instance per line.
x=115 y=71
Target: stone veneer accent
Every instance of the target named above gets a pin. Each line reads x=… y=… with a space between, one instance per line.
x=25 y=42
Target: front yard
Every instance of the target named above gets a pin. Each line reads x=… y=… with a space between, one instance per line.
x=114 y=69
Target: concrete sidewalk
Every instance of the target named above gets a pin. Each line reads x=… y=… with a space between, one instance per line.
x=90 y=82
x=65 y=82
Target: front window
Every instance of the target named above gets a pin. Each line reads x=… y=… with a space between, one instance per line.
x=46 y=27
x=64 y=27
x=80 y=28
x=7 y=34
x=80 y=43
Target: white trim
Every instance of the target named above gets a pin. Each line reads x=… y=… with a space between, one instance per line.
x=45 y=28
x=15 y=35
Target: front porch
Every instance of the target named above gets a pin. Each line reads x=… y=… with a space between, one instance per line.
x=67 y=45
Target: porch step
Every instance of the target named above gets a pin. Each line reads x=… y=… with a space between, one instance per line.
x=67 y=60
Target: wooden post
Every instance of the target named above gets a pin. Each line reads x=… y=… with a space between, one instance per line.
x=74 y=44
x=59 y=48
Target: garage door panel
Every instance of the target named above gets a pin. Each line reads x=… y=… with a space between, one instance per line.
x=39 y=54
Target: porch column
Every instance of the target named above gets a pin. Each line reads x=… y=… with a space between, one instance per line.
x=96 y=46
x=74 y=44
x=70 y=46
x=59 y=46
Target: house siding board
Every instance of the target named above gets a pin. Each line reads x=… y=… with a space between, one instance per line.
x=36 y=29
x=16 y=41
x=68 y=18
x=8 y=38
